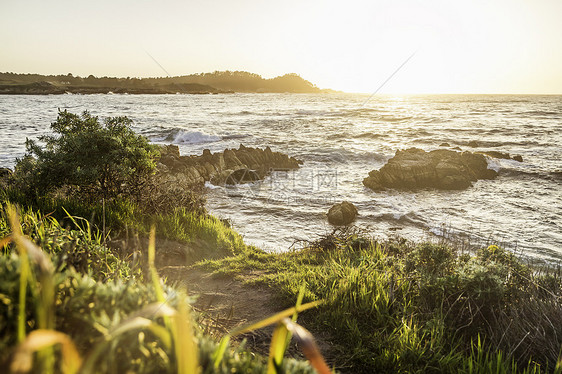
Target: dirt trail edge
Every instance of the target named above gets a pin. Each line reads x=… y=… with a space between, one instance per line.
x=225 y=302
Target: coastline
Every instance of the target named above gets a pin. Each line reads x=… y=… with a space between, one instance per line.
x=371 y=305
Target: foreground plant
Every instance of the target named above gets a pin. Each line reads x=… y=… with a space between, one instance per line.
x=151 y=331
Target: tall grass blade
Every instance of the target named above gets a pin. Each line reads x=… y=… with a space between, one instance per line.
x=180 y=326
x=39 y=340
x=25 y=272
x=186 y=349
x=281 y=338
x=308 y=345
x=152 y=268
x=277 y=348
x=219 y=352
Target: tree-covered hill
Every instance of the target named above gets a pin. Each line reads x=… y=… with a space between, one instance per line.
x=203 y=83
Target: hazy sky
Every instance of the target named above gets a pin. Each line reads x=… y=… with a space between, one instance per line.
x=491 y=46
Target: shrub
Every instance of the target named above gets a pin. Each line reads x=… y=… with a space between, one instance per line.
x=88 y=157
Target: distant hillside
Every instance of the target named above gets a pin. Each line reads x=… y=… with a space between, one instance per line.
x=204 y=83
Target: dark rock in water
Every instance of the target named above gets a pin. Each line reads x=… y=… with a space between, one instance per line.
x=457 y=148
x=473 y=144
x=232 y=166
x=502 y=155
x=444 y=144
x=342 y=214
x=442 y=169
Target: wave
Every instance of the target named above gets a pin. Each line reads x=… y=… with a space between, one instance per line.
x=179 y=136
x=319 y=113
x=235 y=136
x=193 y=137
x=342 y=155
x=410 y=218
x=495 y=144
x=366 y=135
x=391 y=118
x=539 y=113
x=182 y=136
x=356 y=111
x=554 y=176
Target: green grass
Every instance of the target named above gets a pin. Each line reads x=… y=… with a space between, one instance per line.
x=55 y=318
x=404 y=307
x=387 y=306
x=203 y=230
x=208 y=235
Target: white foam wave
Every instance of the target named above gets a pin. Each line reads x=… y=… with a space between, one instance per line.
x=211 y=186
x=194 y=137
x=494 y=164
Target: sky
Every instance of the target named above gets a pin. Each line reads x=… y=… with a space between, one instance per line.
x=459 y=46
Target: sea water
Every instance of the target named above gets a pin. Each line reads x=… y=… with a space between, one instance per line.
x=340 y=138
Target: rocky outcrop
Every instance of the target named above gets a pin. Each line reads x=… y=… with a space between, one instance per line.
x=342 y=214
x=441 y=169
x=232 y=166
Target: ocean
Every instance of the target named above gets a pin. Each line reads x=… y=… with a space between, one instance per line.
x=340 y=138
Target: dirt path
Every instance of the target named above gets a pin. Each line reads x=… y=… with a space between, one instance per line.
x=222 y=302
x=225 y=303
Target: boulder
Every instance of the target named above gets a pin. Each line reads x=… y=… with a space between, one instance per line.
x=342 y=214
x=444 y=144
x=445 y=169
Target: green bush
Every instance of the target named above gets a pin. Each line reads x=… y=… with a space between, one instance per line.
x=90 y=158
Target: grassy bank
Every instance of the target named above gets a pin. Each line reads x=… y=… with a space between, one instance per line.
x=403 y=307
x=388 y=306
x=116 y=218
x=73 y=305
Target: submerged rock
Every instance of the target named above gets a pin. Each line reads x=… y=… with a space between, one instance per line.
x=503 y=155
x=441 y=169
x=342 y=214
